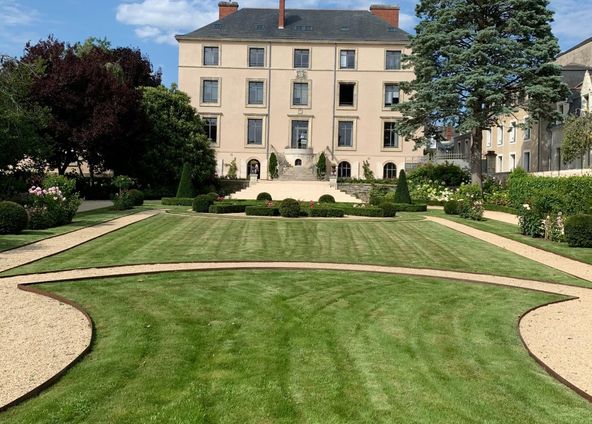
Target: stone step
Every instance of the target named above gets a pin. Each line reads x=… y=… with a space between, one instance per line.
x=299 y=190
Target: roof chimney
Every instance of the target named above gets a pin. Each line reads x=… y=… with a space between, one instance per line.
x=387 y=13
x=226 y=8
x=282 y=20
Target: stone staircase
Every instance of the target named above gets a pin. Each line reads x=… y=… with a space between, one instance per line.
x=298 y=173
x=299 y=190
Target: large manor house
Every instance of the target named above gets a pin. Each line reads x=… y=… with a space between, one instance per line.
x=298 y=83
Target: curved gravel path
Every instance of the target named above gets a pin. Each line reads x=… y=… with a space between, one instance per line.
x=40 y=336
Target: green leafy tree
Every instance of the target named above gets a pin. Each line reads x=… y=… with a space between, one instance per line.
x=577 y=137
x=368 y=174
x=476 y=61
x=175 y=135
x=402 y=192
x=273 y=166
x=185 y=188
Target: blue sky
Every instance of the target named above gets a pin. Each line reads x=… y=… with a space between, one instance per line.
x=151 y=24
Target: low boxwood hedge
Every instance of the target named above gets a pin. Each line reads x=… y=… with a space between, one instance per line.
x=452 y=207
x=326 y=213
x=221 y=208
x=177 y=201
x=389 y=210
x=262 y=211
x=578 y=231
x=202 y=203
x=406 y=207
x=372 y=211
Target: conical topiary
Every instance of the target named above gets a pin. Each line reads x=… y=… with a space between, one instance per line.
x=185 y=185
x=402 y=193
x=273 y=166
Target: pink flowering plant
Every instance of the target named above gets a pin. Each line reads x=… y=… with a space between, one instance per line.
x=53 y=203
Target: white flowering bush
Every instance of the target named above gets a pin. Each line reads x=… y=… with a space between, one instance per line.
x=431 y=191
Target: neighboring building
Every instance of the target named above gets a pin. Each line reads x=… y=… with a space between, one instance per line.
x=298 y=83
x=538 y=148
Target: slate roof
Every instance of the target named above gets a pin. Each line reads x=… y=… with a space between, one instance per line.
x=301 y=24
x=573 y=74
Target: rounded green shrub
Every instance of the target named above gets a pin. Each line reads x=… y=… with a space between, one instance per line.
x=389 y=210
x=452 y=207
x=290 y=208
x=40 y=219
x=202 y=203
x=13 y=218
x=213 y=196
x=578 y=231
x=326 y=198
x=136 y=197
x=264 y=196
x=123 y=201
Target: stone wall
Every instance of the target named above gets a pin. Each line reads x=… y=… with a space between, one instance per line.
x=360 y=190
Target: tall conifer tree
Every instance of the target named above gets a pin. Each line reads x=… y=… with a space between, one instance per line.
x=476 y=61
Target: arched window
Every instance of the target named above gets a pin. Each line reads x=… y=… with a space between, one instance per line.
x=389 y=171
x=344 y=170
x=254 y=168
x=298 y=162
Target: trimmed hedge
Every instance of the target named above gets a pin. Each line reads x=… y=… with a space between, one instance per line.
x=13 y=218
x=452 y=207
x=389 y=210
x=406 y=207
x=177 y=201
x=221 y=208
x=202 y=203
x=326 y=213
x=326 y=198
x=262 y=211
x=290 y=208
x=367 y=211
x=213 y=196
x=136 y=197
x=578 y=231
x=264 y=196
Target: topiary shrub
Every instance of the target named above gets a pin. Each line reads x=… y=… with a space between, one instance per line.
x=452 y=207
x=290 y=208
x=273 y=166
x=326 y=213
x=264 y=196
x=221 y=208
x=326 y=198
x=13 y=218
x=261 y=211
x=202 y=203
x=578 y=231
x=322 y=166
x=402 y=192
x=213 y=196
x=122 y=201
x=185 y=188
x=136 y=197
x=389 y=210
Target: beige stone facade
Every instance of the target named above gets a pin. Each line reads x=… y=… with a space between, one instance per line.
x=298 y=98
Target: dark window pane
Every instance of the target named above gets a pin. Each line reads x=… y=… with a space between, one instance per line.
x=344 y=170
x=255 y=131
x=256 y=57
x=347 y=59
x=391 y=138
x=301 y=58
x=255 y=92
x=299 y=134
x=210 y=91
x=346 y=94
x=211 y=125
x=393 y=59
x=211 y=56
x=300 y=94
x=389 y=171
x=345 y=134
x=391 y=95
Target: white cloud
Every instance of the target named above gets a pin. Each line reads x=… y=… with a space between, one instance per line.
x=573 y=21
x=15 y=23
x=14 y=14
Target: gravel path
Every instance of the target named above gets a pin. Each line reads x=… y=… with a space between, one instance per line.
x=508 y=218
x=40 y=336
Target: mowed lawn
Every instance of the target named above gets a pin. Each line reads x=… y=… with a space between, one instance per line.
x=302 y=347
x=401 y=242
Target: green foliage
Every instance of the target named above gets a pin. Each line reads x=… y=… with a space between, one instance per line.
x=273 y=166
x=213 y=196
x=221 y=208
x=232 y=170
x=402 y=192
x=377 y=194
x=13 y=218
x=477 y=61
x=123 y=182
x=136 y=197
x=322 y=166
x=389 y=210
x=63 y=212
x=290 y=208
x=368 y=174
x=264 y=196
x=578 y=231
x=326 y=213
x=452 y=207
x=577 y=137
x=471 y=210
x=371 y=211
x=262 y=211
x=447 y=174
x=326 y=198
x=123 y=201
x=202 y=203
x=185 y=188
x=408 y=207
x=177 y=201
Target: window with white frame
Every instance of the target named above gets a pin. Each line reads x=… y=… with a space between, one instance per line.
x=500 y=135
x=527 y=132
x=255 y=131
x=390 y=136
x=347 y=59
x=301 y=58
x=256 y=92
x=256 y=57
x=300 y=94
x=487 y=134
x=299 y=134
x=512 y=161
x=211 y=56
x=391 y=95
x=211 y=127
x=512 y=131
x=345 y=134
x=344 y=170
x=210 y=91
x=393 y=59
x=389 y=171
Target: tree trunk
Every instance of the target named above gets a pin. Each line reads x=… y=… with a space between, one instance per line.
x=476 y=157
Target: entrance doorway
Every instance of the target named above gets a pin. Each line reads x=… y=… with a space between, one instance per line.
x=254 y=168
